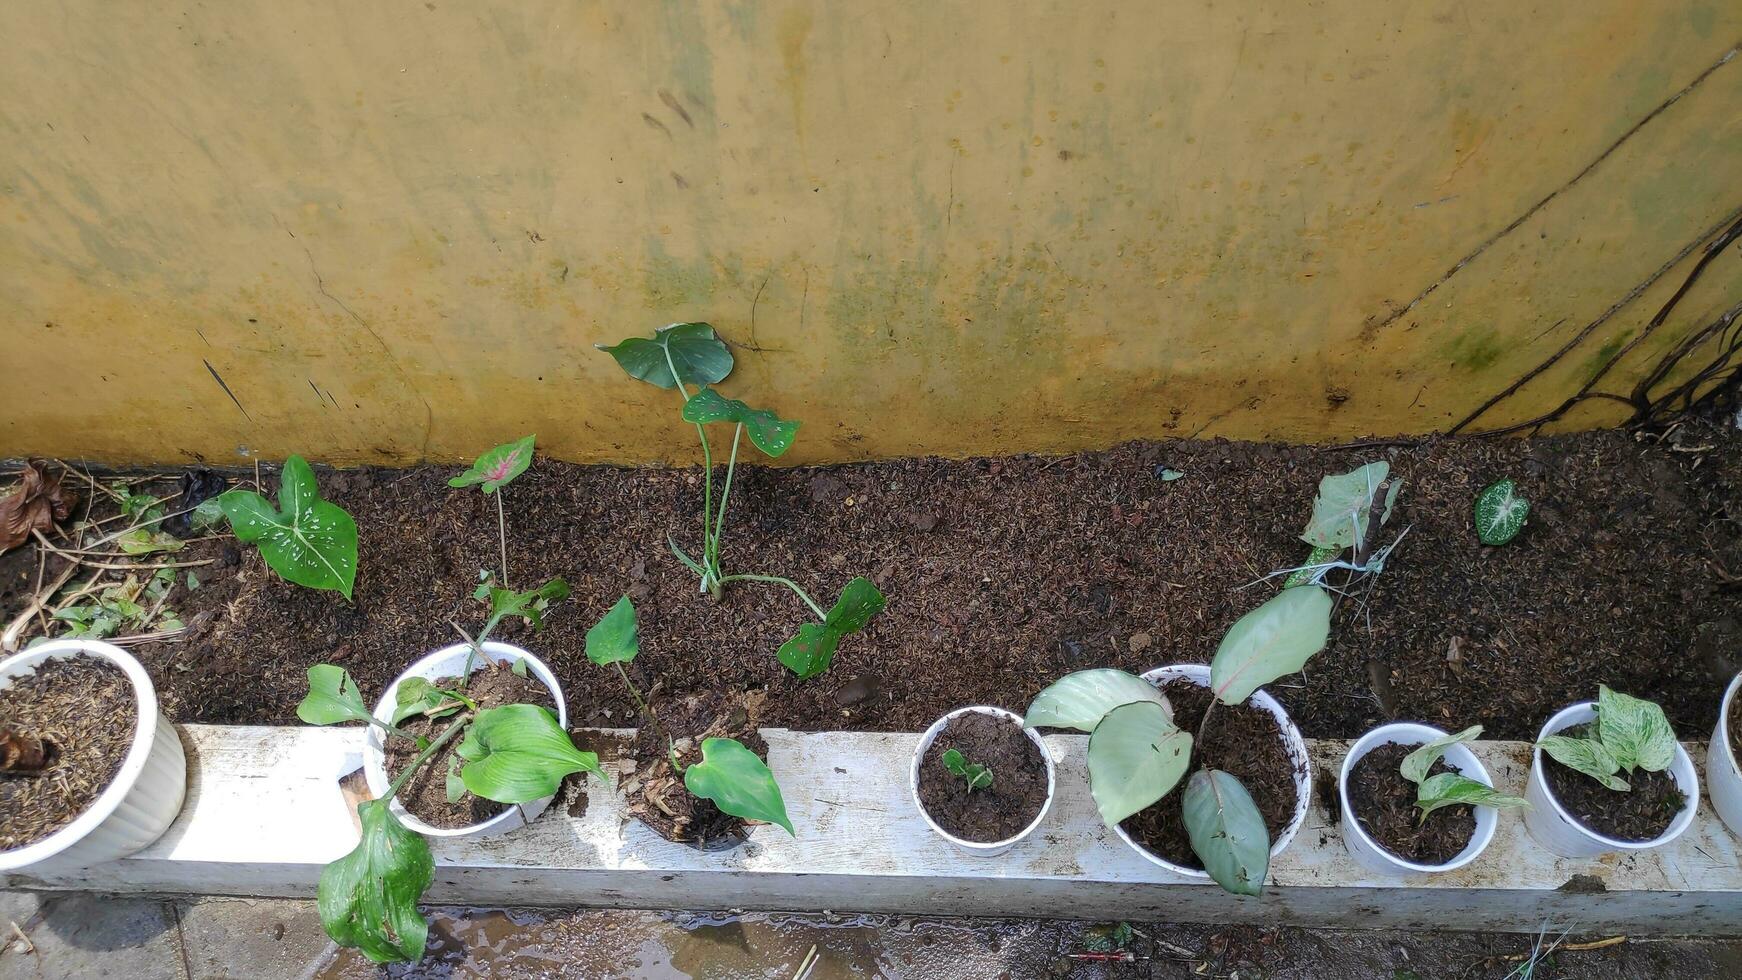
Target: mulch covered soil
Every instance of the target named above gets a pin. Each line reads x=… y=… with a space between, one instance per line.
x=999 y=810
x=1384 y=803
x=1641 y=812
x=81 y=712
x=1003 y=574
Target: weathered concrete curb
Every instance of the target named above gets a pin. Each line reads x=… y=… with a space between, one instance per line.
x=264 y=814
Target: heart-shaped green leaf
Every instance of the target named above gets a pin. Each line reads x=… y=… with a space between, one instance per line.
x=144 y=541
x=1450 y=789
x=1343 y=505
x=1586 y=755
x=529 y=605
x=1272 y=641
x=498 y=467
x=1081 y=699
x=1227 y=831
x=768 y=431
x=418 y=696
x=308 y=541
x=368 y=899
x=518 y=753
x=1635 y=732
x=1417 y=763
x=811 y=651
x=738 y=782
x=615 y=638
x=860 y=600
x=1500 y=513
x=699 y=357
x=1136 y=755
x=332 y=697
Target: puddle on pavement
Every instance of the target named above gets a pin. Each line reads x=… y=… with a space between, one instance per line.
x=634 y=945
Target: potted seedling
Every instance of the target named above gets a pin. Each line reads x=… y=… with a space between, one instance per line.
x=1249 y=793
x=490 y=473
x=1607 y=776
x=981 y=780
x=1724 y=759
x=90 y=769
x=1416 y=800
x=306 y=540
x=467 y=733
x=685 y=354
x=695 y=772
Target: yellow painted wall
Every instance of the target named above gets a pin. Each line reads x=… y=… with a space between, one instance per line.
x=395 y=229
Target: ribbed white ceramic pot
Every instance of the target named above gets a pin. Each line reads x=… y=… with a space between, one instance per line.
x=1554 y=828
x=978 y=848
x=1723 y=775
x=1296 y=745
x=144 y=797
x=1364 y=849
x=450 y=662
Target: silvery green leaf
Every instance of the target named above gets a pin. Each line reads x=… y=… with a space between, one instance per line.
x=1227 y=831
x=1136 y=755
x=1500 y=513
x=1634 y=731
x=1586 y=755
x=1343 y=505
x=1450 y=788
x=1272 y=641
x=1170 y=475
x=1081 y=699
x=1417 y=763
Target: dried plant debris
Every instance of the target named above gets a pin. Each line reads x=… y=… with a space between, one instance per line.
x=83 y=710
x=37 y=505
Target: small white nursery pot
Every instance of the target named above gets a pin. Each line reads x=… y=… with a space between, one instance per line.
x=449 y=662
x=1723 y=773
x=978 y=848
x=1554 y=828
x=1368 y=852
x=1297 y=754
x=141 y=801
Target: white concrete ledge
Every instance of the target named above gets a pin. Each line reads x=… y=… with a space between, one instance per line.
x=264 y=814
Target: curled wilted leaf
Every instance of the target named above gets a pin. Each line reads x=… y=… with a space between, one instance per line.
x=37 y=504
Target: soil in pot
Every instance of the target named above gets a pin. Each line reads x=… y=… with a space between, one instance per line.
x=1733 y=727
x=1245 y=741
x=1642 y=813
x=655 y=791
x=992 y=813
x=80 y=713
x=425 y=796
x=1384 y=804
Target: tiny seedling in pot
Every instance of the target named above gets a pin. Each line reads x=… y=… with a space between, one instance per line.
x=306 y=540
x=1630 y=734
x=1500 y=512
x=1137 y=755
x=974 y=774
x=509 y=754
x=729 y=774
x=490 y=473
x=684 y=354
x=1449 y=788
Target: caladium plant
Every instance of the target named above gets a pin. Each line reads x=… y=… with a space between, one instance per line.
x=508 y=754
x=490 y=473
x=306 y=540
x=684 y=354
x=1630 y=734
x=1500 y=512
x=1343 y=520
x=1137 y=754
x=731 y=775
x=1449 y=788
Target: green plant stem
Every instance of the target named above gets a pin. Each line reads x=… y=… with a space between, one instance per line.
x=502 y=536
x=789 y=583
x=632 y=691
x=710 y=566
x=444 y=738
x=713 y=547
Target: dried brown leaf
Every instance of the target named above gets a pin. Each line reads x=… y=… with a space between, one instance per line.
x=38 y=503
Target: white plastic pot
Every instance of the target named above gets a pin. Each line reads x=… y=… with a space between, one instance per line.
x=1723 y=774
x=1369 y=853
x=1297 y=754
x=1554 y=828
x=141 y=801
x=976 y=847
x=449 y=662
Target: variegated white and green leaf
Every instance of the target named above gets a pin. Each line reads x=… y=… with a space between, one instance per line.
x=1450 y=789
x=1586 y=755
x=1417 y=763
x=1634 y=731
x=1500 y=513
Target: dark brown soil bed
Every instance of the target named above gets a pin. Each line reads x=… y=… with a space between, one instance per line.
x=656 y=791
x=425 y=796
x=1640 y=814
x=1384 y=803
x=74 y=717
x=1004 y=574
x=990 y=813
x=1244 y=741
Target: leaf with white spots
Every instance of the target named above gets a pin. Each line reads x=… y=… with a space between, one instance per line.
x=1500 y=513
x=308 y=541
